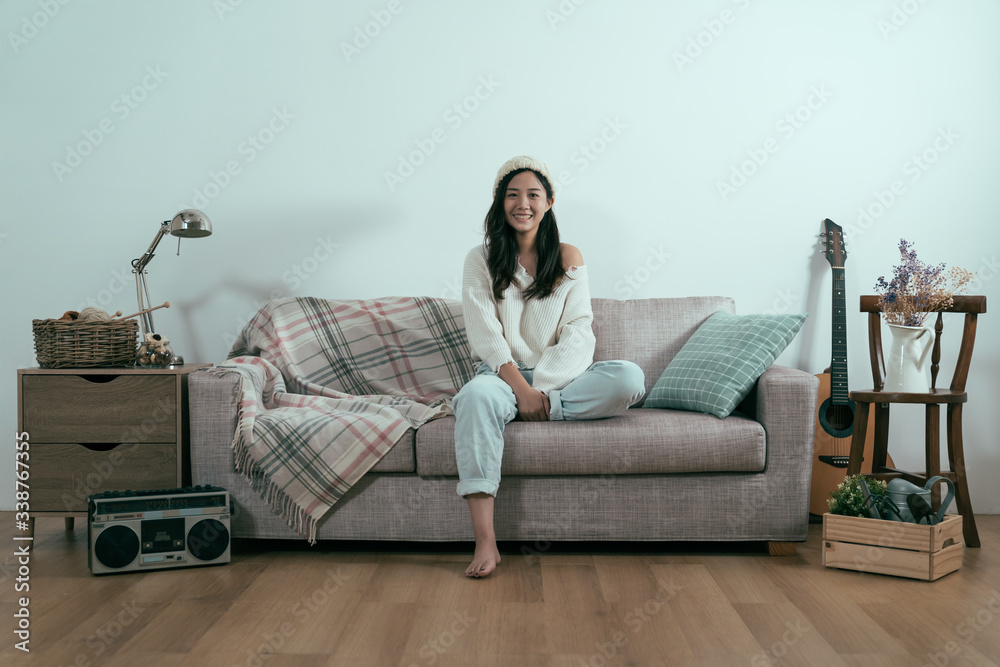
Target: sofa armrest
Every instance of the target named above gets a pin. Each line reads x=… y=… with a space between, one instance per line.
x=213 y=409
x=784 y=402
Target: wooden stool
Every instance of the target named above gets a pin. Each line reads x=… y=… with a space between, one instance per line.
x=953 y=397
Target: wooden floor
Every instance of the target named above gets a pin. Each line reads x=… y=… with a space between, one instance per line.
x=409 y=605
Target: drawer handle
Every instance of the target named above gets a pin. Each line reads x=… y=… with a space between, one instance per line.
x=99 y=446
x=99 y=379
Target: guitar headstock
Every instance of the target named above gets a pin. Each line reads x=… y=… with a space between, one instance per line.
x=835 y=248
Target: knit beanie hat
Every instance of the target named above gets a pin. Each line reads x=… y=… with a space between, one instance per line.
x=521 y=162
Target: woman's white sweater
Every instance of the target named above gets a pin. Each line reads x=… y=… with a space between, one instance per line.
x=553 y=335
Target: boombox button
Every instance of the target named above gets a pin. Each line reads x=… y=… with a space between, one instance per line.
x=147 y=545
x=179 y=543
x=152 y=559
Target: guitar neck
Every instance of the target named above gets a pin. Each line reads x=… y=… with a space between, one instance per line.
x=838 y=364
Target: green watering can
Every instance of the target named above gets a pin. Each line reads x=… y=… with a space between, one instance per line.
x=909 y=497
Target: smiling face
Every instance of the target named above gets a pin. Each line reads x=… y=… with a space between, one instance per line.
x=525 y=203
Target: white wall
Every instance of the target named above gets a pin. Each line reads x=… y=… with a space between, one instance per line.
x=163 y=97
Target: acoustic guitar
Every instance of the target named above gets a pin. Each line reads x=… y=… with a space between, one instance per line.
x=835 y=412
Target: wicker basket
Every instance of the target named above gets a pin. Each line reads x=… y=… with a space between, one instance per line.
x=76 y=344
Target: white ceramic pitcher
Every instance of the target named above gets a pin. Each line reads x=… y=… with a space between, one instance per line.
x=906 y=368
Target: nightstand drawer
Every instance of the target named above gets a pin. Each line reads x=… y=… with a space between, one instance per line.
x=99 y=408
x=62 y=476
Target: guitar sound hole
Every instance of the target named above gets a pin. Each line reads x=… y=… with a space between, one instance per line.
x=840 y=417
x=837 y=419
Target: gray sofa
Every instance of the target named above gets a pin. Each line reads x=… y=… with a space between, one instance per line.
x=651 y=474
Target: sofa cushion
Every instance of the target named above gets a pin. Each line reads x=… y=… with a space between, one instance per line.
x=720 y=363
x=650 y=332
x=641 y=441
x=400 y=458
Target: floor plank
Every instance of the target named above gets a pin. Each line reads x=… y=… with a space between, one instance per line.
x=573 y=604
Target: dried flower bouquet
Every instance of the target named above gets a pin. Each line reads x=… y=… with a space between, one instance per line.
x=917 y=289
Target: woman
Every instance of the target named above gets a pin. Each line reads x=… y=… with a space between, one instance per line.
x=527 y=312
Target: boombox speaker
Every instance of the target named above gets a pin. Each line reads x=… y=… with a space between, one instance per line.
x=132 y=531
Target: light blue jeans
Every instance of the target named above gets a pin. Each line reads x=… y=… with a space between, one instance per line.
x=486 y=404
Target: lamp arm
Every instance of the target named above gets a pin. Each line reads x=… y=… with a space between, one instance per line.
x=140 y=264
x=139 y=269
x=142 y=291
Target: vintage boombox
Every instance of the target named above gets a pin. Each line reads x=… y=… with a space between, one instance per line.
x=132 y=531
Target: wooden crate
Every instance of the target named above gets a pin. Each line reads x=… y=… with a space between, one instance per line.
x=891 y=547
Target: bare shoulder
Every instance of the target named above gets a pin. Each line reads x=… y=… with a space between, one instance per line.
x=571 y=256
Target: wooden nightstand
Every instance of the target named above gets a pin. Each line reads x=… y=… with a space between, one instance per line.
x=92 y=430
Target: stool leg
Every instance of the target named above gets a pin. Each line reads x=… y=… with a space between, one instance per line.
x=880 y=450
x=932 y=449
x=858 y=438
x=956 y=458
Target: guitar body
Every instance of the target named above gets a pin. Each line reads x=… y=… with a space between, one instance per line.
x=835 y=409
x=832 y=447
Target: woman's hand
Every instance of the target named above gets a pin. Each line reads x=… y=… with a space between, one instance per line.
x=532 y=405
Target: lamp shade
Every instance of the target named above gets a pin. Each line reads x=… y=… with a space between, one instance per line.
x=190 y=223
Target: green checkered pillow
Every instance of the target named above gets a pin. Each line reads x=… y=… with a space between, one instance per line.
x=722 y=360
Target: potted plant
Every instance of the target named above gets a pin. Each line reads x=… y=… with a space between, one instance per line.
x=854 y=540
x=848 y=499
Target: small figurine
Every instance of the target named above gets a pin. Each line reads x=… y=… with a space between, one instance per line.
x=155 y=351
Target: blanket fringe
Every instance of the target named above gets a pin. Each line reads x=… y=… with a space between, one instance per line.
x=279 y=501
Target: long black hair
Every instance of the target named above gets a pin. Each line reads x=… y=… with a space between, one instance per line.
x=501 y=245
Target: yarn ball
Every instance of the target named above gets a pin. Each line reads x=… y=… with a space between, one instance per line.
x=92 y=314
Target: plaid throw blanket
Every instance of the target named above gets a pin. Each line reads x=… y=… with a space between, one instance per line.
x=328 y=387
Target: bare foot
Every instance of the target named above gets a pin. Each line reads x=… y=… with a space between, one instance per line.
x=484 y=561
x=487 y=556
